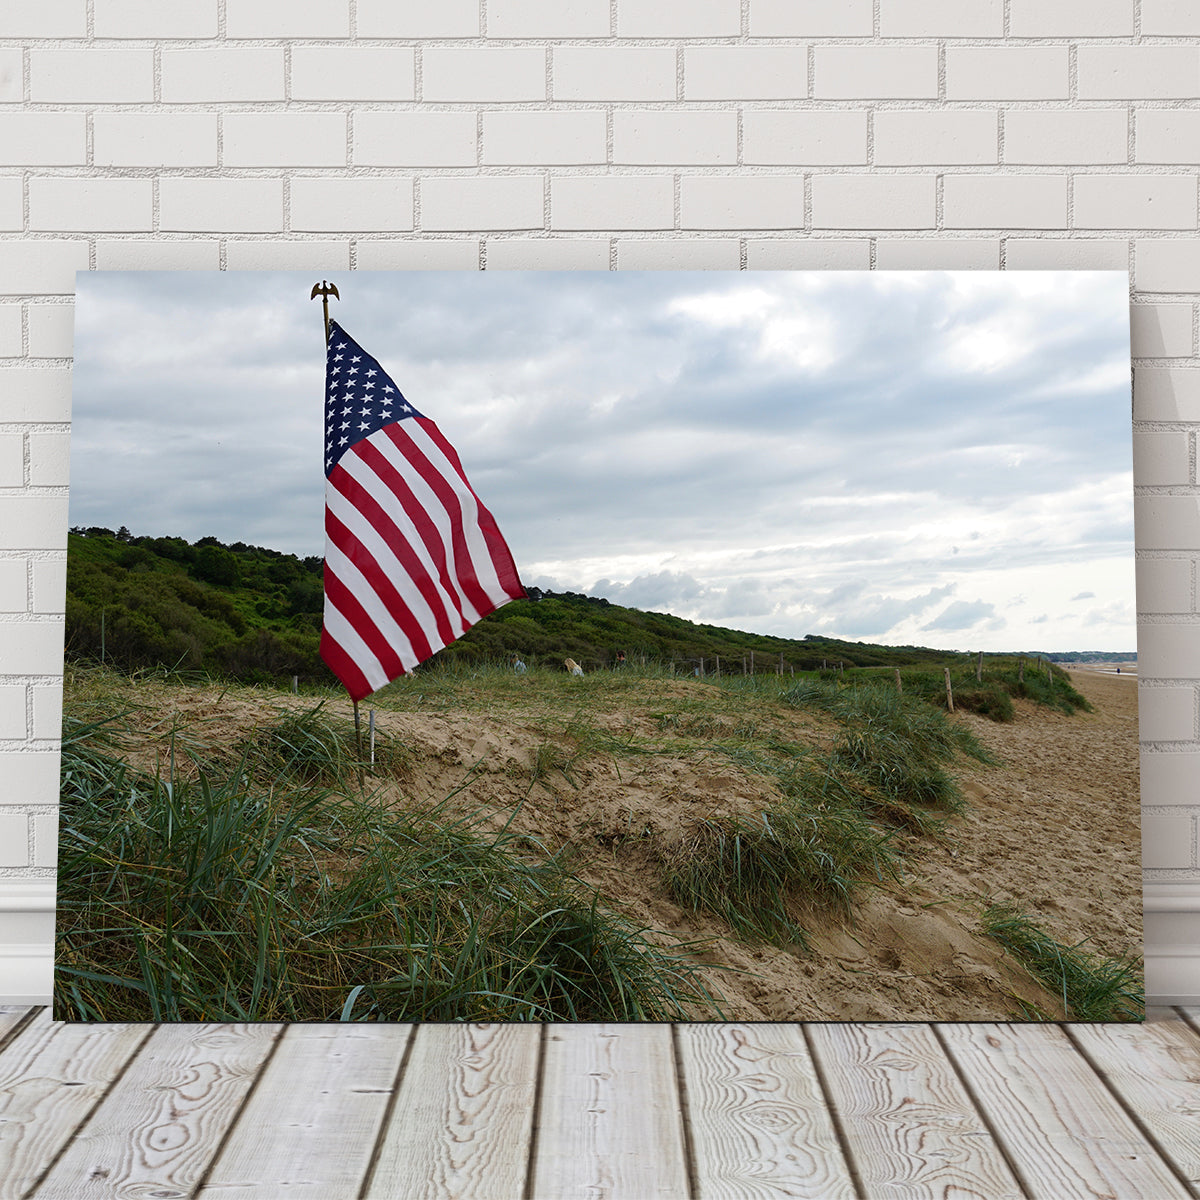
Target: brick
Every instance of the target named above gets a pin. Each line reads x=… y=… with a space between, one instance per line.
x=222 y=76
x=379 y=254
x=155 y=18
x=1161 y=459
x=910 y=137
x=612 y=202
x=469 y=74
x=158 y=255
x=49 y=459
x=12 y=215
x=875 y=72
x=415 y=139
x=1055 y=254
x=742 y=202
x=14 y=840
x=1161 y=330
x=1167 y=714
x=664 y=136
x=1138 y=72
x=12 y=76
x=1167 y=840
x=1167 y=266
x=873 y=202
x=786 y=137
x=677 y=18
x=12 y=460
x=1007 y=73
x=674 y=254
x=556 y=138
x=256 y=254
x=418 y=18
x=1166 y=135
x=1168 y=778
x=1164 y=585
x=937 y=254
x=745 y=73
x=811 y=18
x=12 y=713
x=1166 y=394
x=1135 y=202
x=33 y=523
x=1071 y=18
x=43 y=139
x=172 y=139
x=49 y=585
x=484 y=202
x=29 y=394
x=47 y=711
x=1004 y=202
x=46 y=19
x=613 y=73
x=287 y=18
x=191 y=204
x=547 y=254
x=353 y=73
x=91 y=76
x=112 y=205
x=941 y=18
x=1170 y=18
x=1168 y=523
x=547 y=19
x=30 y=776
x=45 y=835
x=308 y=139
x=808 y=254
x=31 y=647
x=352 y=205
x=14 y=586
x=51 y=330
x=1054 y=137
x=10 y=331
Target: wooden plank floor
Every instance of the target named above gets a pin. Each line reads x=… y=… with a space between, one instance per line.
x=603 y=1112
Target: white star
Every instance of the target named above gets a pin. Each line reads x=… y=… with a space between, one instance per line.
x=366 y=412
x=372 y=371
x=388 y=388
x=344 y=440
x=346 y=411
x=357 y=358
x=364 y=425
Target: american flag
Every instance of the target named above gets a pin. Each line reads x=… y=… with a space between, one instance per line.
x=412 y=557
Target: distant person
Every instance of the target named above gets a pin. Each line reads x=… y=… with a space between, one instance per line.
x=620 y=658
x=572 y=666
x=518 y=665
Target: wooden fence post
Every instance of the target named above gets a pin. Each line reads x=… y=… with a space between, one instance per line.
x=751 y=662
x=781 y=664
x=979 y=669
x=949 y=691
x=718 y=666
x=1021 y=671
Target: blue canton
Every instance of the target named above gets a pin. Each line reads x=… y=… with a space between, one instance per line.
x=360 y=397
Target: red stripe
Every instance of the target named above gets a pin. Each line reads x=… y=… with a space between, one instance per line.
x=381 y=521
x=376 y=576
x=344 y=667
x=348 y=604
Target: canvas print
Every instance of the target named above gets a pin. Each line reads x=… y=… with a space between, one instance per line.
x=535 y=646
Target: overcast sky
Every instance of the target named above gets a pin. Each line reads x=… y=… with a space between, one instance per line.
x=939 y=458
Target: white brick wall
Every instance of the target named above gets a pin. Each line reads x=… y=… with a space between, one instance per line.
x=589 y=134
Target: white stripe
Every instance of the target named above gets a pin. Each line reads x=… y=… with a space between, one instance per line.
x=342 y=632
x=356 y=582
x=375 y=544
x=481 y=556
x=426 y=497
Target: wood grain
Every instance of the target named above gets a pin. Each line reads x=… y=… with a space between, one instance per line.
x=909 y=1124
x=1059 y=1124
x=759 y=1125
x=11 y=1018
x=158 y=1128
x=51 y=1076
x=610 y=1125
x=461 y=1124
x=1155 y=1069
x=310 y=1127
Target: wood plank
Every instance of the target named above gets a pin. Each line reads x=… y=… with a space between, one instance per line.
x=463 y=1115
x=1155 y=1068
x=51 y=1076
x=610 y=1127
x=757 y=1116
x=12 y=1017
x=1061 y=1127
x=160 y=1125
x=909 y=1124
x=310 y=1127
x=1191 y=1014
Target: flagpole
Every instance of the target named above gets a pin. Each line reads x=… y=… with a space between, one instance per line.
x=325 y=290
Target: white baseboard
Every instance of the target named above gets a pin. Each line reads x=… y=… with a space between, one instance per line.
x=26 y=974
